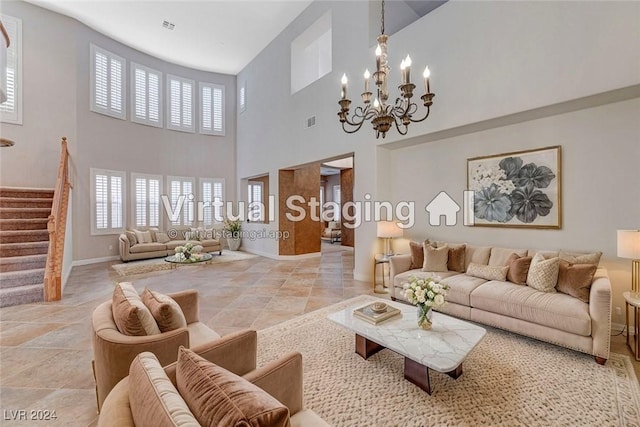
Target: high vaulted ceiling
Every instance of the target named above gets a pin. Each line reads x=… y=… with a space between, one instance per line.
x=211 y=35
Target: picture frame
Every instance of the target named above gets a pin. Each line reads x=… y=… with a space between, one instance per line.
x=521 y=189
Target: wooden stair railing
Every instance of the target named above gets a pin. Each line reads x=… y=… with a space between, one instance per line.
x=57 y=229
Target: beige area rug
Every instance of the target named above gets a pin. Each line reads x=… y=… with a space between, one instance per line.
x=507 y=380
x=157 y=264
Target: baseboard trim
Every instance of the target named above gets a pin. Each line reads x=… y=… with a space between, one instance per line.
x=282 y=257
x=88 y=261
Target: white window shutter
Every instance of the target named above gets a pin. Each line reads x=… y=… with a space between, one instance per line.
x=107 y=83
x=211 y=109
x=146 y=96
x=181 y=103
x=107 y=201
x=11 y=109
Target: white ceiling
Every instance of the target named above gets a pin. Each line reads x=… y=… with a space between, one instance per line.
x=211 y=35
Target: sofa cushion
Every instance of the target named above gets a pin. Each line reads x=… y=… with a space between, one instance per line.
x=518 y=268
x=581 y=257
x=576 y=279
x=545 y=254
x=403 y=277
x=460 y=288
x=488 y=272
x=543 y=273
x=131 y=237
x=500 y=256
x=455 y=261
x=435 y=259
x=417 y=254
x=162 y=237
x=555 y=310
x=147 y=247
x=153 y=398
x=164 y=309
x=209 y=242
x=130 y=314
x=476 y=254
x=143 y=236
x=175 y=243
x=218 y=397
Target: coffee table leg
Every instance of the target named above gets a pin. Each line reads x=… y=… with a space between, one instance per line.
x=417 y=374
x=456 y=372
x=366 y=348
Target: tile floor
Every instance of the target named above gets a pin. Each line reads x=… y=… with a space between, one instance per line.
x=45 y=349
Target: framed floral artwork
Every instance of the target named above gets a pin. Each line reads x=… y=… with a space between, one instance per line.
x=520 y=189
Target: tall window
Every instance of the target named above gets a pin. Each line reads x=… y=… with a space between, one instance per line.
x=107 y=201
x=146 y=95
x=180 y=106
x=337 y=199
x=107 y=83
x=211 y=191
x=182 y=199
x=146 y=195
x=256 y=202
x=311 y=53
x=242 y=98
x=11 y=108
x=211 y=109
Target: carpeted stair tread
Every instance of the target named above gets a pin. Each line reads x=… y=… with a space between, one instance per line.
x=25 y=248
x=12 y=279
x=18 y=202
x=20 y=236
x=24 y=213
x=21 y=295
x=26 y=192
x=23 y=224
x=25 y=262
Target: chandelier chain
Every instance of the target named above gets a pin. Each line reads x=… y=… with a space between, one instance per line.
x=382 y=19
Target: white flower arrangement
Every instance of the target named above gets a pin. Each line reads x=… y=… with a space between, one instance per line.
x=185 y=253
x=425 y=292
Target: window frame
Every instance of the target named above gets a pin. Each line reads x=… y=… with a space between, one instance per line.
x=14 y=116
x=146 y=120
x=134 y=200
x=181 y=127
x=94 y=172
x=181 y=222
x=93 y=106
x=212 y=131
x=213 y=182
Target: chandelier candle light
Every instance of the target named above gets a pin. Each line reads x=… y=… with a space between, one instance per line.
x=381 y=114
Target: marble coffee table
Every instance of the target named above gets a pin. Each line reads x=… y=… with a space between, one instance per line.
x=442 y=349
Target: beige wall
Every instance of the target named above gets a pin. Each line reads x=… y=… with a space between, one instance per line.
x=56 y=103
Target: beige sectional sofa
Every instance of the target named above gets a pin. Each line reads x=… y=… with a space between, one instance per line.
x=553 y=317
x=164 y=244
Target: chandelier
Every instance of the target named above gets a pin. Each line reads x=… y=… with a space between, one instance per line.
x=382 y=114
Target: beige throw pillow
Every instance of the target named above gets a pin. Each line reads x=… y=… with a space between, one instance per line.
x=130 y=314
x=131 y=237
x=165 y=310
x=576 y=279
x=581 y=258
x=489 y=272
x=543 y=273
x=435 y=259
x=218 y=397
x=153 y=399
x=143 y=236
x=162 y=237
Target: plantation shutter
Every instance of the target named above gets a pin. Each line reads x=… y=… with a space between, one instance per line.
x=146 y=96
x=211 y=109
x=181 y=100
x=107 y=83
x=107 y=201
x=218 y=194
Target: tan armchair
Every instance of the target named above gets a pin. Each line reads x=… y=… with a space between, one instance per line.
x=113 y=352
x=332 y=233
x=235 y=352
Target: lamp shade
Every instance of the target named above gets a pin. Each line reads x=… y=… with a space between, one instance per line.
x=389 y=229
x=629 y=244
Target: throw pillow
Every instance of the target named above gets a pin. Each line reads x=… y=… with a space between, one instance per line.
x=143 y=236
x=218 y=397
x=581 y=258
x=152 y=232
x=162 y=237
x=543 y=273
x=153 y=399
x=576 y=279
x=489 y=272
x=518 y=268
x=417 y=254
x=130 y=314
x=456 y=255
x=131 y=237
x=435 y=259
x=477 y=254
x=500 y=256
x=165 y=310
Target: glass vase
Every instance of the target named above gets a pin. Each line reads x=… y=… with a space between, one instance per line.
x=424 y=317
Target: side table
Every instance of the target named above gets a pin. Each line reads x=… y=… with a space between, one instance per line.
x=380 y=259
x=635 y=303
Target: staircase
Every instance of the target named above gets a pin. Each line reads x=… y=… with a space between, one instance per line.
x=24 y=243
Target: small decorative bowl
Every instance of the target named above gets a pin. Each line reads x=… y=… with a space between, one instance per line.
x=378 y=307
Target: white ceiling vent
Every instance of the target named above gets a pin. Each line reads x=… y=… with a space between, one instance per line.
x=168 y=25
x=311 y=121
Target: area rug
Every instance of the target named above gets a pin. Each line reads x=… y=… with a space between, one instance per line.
x=507 y=380
x=157 y=264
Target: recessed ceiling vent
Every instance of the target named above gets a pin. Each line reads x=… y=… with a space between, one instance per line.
x=168 y=25
x=311 y=121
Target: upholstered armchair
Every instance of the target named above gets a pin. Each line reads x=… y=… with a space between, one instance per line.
x=237 y=353
x=332 y=233
x=113 y=351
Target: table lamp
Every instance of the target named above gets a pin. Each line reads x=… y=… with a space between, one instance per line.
x=388 y=230
x=629 y=247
